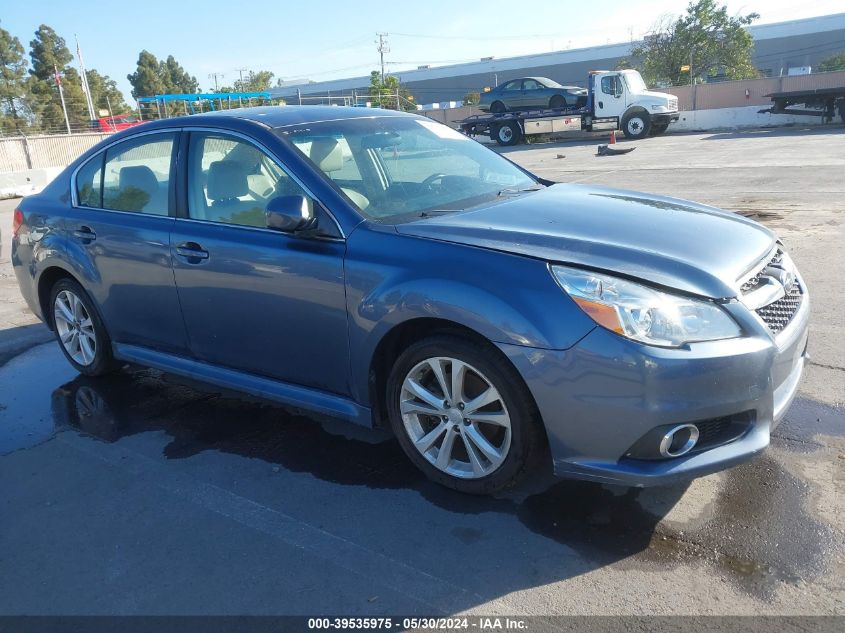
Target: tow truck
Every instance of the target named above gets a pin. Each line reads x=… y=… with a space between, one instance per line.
x=616 y=100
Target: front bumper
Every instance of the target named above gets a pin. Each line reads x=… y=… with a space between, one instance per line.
x=605 y=393
x=665 y=117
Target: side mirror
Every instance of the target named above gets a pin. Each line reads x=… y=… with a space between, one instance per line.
x=290 y=214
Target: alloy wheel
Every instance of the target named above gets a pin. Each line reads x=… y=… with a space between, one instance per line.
x=75 y=328
x=455 y=417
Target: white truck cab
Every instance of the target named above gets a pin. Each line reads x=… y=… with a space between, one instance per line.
x=623 y=95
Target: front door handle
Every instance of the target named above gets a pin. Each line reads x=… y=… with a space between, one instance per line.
x=191 y=250
x=85 y=234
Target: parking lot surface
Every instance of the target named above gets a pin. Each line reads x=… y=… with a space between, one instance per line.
x=143 y=493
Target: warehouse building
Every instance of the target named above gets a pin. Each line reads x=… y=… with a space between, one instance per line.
x=779 y=47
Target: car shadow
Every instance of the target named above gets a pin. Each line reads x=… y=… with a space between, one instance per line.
x=582 y=526
x=17 y=339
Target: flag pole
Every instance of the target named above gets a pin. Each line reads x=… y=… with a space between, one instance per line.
x=84 y=77
x=58 y=79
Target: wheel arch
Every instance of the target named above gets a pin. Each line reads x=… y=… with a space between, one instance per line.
x=633 y=109
x=400 y=337
x=48 y=278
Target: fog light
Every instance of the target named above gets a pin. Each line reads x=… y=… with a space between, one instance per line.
x=679 y=440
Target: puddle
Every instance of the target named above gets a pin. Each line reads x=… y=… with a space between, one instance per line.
x=757 y=530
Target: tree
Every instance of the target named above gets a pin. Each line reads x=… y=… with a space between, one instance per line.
x=706 y=39
x=14 y=109
x=105 y=93
x=48 y=53
x=384 y=93
x=255 y=82
x=146 y=80
x=834 y=62
x=472 y=98
x=153 y=77
x=176 y=79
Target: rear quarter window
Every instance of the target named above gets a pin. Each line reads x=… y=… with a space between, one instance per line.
x=89 y=183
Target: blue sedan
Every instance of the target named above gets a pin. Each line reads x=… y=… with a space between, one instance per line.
x=384 y=269
x=531 y=93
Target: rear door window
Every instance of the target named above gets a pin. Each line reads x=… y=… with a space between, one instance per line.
x=136 y=175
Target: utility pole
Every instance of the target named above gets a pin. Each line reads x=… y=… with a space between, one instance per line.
x=383 y=48
x=692 y=81
x=241 y=84
x=215 y=76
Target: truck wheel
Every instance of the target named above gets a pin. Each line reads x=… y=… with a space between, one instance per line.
x=636 y=124
x=557 y=102
x=658 y=129
x=497 y=107
x=508 y=133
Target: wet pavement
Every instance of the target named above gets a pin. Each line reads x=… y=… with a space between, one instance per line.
x=753 y=528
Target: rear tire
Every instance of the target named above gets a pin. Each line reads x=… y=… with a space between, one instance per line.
x=507 y=428
x=81 y=335
x=497 y=107
x=507 y=133
x=636 y=124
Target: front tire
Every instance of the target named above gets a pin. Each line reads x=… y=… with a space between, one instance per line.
x=557 y=102
x=463 y=415
x=636 y=124
x=79 y=331
x=497 y=107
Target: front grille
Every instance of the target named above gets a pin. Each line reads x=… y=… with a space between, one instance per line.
x=754 y=281
x=777 y=315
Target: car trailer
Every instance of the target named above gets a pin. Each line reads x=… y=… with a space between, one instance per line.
x=823 y=102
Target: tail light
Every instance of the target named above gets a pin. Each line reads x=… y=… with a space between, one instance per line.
x=17 y=222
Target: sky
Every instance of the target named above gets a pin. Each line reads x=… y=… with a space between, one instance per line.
x=331 y=39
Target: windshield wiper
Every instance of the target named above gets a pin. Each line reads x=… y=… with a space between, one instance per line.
x=432 y=212
x=511 y=191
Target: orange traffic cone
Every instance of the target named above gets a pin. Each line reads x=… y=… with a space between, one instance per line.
x=612 y=140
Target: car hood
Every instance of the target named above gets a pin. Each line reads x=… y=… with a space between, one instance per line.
x=669 y=242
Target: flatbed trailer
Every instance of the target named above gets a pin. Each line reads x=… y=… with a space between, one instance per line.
x=823 y=102
x=616 y=100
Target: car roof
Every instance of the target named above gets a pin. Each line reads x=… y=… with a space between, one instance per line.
x=281 y=116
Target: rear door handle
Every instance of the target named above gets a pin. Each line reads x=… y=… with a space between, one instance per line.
x=191 y=250
x=85 y=234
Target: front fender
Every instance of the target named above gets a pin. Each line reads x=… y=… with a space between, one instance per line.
x=392 y=279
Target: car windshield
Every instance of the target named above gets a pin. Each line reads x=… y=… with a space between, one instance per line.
x=549 y=83
x=635 y=81
x=397 y=168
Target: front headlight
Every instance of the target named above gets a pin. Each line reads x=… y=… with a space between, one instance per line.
x=642 y=313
